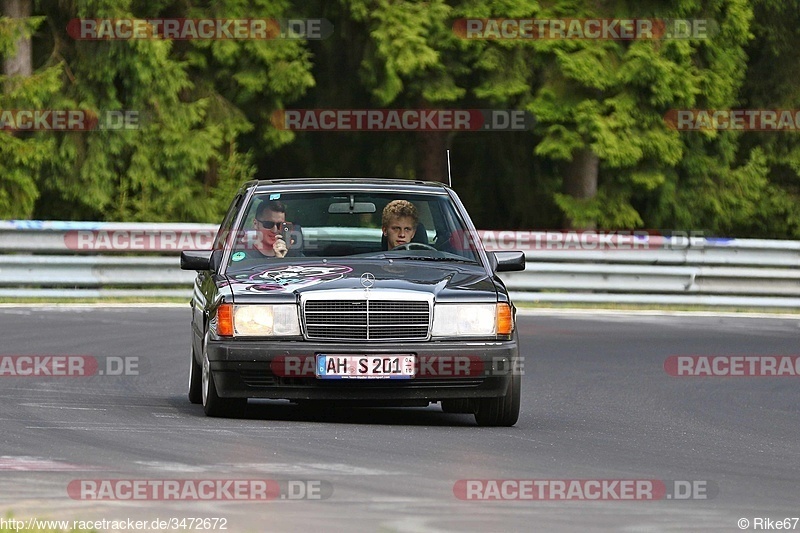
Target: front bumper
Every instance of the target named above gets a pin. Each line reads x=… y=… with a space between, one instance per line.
x=284 y=370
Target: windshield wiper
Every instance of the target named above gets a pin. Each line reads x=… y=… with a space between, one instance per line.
x=429 y=258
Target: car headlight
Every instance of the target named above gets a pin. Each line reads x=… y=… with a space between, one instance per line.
x=456 y=320
x=265 y=320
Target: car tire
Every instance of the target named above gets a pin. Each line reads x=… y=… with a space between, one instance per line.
x=500 y=411
x=457 y=406
x=213 y=405
x=195 y=380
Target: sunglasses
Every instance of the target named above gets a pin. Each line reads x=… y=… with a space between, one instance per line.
x=269 y=224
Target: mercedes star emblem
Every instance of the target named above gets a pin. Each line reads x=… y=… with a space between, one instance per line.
x=367 y=280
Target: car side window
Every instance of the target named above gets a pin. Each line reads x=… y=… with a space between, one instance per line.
x=227 y=223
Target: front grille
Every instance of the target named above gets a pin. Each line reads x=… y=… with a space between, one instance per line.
x=366 y=319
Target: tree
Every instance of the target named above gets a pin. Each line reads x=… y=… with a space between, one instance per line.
x=601 y=154
x=602 y=102
x=771 y=83
x=19 y=61
x=21 y=155
x=193 y=98
x=414 y=59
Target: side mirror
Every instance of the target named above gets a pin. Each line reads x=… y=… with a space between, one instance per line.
x=196 y=260
x=508 y=261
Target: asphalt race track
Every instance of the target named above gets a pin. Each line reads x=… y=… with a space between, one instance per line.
x=597 y=405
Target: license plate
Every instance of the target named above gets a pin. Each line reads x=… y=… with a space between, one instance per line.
x=365 y=366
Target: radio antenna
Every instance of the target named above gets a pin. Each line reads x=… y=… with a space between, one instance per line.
x=449 y=178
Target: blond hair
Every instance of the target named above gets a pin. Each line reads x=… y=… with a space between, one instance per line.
x=398 y=209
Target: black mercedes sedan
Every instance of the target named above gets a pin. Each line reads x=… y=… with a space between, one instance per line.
x=363 y=292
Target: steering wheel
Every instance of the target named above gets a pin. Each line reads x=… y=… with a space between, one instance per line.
x=414 y=246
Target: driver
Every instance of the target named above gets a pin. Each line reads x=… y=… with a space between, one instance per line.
x=399 y=223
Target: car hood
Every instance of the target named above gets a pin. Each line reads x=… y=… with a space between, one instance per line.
x=286 y=280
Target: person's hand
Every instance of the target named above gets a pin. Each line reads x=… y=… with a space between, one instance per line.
x=280 y=247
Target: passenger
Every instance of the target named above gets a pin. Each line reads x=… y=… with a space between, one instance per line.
x=399 y=223
x=270 y=217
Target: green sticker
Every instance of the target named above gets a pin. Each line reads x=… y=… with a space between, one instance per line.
x=238 y=256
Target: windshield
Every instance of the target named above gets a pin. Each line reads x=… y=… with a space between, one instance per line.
x=351 y=224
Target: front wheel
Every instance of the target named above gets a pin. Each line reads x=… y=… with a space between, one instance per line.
x=500 y=411
x=213 y=405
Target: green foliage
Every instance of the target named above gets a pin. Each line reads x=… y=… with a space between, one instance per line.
x=771 y=82
x=608 y=209
x=193 y=100
x=407 y=42
x=611 y=96
x=22 y=155
x=13 y=29
x=206 y=106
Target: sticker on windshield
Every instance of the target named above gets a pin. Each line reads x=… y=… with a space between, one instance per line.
x=238 y=256
x=275 y=196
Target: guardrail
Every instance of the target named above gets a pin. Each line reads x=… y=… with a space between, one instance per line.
x=50 y=259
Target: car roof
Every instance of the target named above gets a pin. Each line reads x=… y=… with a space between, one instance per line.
x=366 y=184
